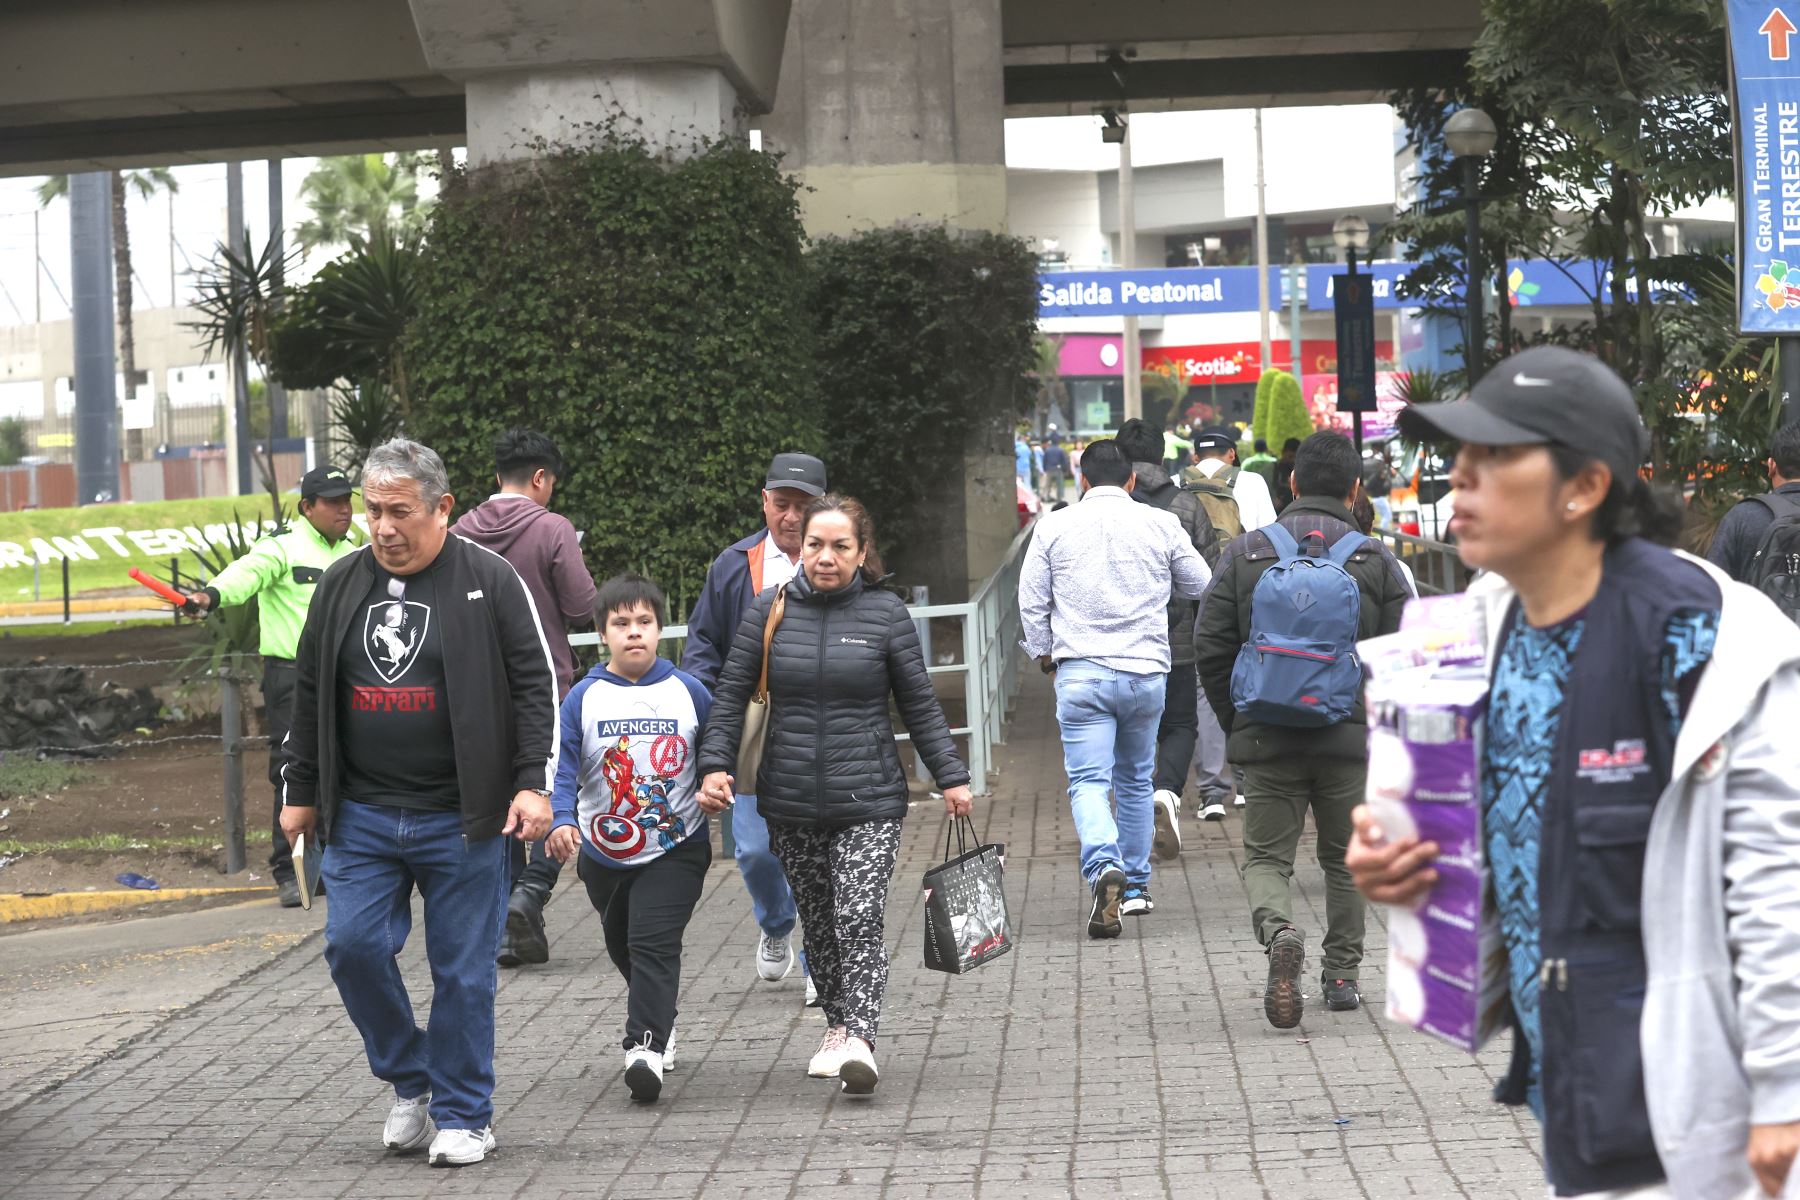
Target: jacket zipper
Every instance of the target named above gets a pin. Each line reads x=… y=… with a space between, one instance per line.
x=819 y=698
x=1296 y=653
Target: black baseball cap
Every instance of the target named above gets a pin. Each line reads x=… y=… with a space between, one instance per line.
x=801 y=471
x=1217 y=438
x=324 y=483
x=1541 y=396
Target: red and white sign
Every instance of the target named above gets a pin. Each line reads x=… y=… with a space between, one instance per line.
x=1241 y=362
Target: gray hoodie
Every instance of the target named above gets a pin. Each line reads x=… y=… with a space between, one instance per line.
x=1720 y=1032
x=542 y=548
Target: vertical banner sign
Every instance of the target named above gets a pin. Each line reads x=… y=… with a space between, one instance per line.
x=1765 y=120
x=1353 y=301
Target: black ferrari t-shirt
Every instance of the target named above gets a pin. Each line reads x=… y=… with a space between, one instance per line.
x=393 y=711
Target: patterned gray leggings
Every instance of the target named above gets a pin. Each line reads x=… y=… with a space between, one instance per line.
x=840 y=882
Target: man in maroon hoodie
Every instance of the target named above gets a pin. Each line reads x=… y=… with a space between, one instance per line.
x=542 y=547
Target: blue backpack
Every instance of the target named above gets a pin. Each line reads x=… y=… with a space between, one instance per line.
x=1299 y=667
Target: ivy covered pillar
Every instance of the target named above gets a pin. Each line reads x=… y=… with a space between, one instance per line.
x=544 y=73
x=891 y=114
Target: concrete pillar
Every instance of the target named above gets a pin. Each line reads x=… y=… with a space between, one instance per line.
x=891 y=111
x=96 y=398
x=553 y=72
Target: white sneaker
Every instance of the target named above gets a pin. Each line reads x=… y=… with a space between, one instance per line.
x=669 y=1051
x=644 y=1071
x=461 y=1147
x=825 y=1064
x=858 y=1068
x=1212 y=810
x=774 y=958
x=1237 y=801
x=1167 y=840
x=409 y=1125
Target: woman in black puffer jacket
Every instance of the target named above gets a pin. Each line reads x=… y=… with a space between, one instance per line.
x=831 y=785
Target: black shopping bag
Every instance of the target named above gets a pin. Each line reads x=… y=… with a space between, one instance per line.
x=965 y=905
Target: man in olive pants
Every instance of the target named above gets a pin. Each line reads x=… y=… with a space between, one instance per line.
x=1288 y=769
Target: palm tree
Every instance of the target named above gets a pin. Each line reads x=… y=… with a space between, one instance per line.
x=146 y=184
x=361 y=198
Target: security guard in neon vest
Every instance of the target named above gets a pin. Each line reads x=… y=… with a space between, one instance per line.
x=280 y=572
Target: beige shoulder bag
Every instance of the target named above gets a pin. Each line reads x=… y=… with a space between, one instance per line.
x=756 y=712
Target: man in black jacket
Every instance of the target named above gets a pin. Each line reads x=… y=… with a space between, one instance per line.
x=1287 y=769
x=1741 y=532
x=424 y=733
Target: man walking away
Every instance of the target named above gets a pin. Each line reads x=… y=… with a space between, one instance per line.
x=1740 y=534
x=1236 y=500
x=1175 y=450
x=1260 y=460
x=1178 y=726
x=1093 y=603
x=1056 y=471
x=1284 y=475
x=280 y=572
x=744 y=570
x=1294 y=756
x=517 y=524
x=424 y=734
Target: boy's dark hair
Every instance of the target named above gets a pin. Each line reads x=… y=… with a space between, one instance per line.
x=1290 y=444
x=1140 y=442
x=519 y=453
x=1785 y=450
x=1262 y=445
x=1103 y=464
x=1327 y=465
x=622 y=593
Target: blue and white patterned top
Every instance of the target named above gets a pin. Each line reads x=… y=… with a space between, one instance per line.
x=1524 y=715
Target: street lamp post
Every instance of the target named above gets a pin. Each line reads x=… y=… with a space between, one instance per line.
x=1351 y=233
x=1470 y=135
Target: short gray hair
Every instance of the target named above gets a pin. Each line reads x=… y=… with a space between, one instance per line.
x=401 y=459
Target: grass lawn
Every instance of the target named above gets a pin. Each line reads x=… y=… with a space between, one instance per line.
x=29 y=777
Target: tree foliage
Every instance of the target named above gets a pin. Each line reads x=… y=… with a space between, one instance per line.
x=349 y=323
x=1259 y=415
x=363 y=198
x=925 y=351
x=1288 y=417
x=648 y=315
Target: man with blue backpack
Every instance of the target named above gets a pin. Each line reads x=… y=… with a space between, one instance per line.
x=1275 y=644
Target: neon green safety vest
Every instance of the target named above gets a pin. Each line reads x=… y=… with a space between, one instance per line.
x=281 y=571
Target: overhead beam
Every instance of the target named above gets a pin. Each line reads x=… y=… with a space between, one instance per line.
x=1299 y=81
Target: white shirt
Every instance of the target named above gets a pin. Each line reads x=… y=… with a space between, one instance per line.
x=778 y=568
x=1256 y=507
x=1096 y=580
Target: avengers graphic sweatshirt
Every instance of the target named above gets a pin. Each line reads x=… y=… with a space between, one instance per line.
x=625 y=778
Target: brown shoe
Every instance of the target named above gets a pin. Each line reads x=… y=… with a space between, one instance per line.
x=1283 y=1002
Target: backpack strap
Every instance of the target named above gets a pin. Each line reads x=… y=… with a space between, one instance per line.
x=1346 y=548
x=1779 y=504
x=1231 y=476
x=1283 y=541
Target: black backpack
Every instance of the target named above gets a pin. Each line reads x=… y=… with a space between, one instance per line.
x=1775 y=567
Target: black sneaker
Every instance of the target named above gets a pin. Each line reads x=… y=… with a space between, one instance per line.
x=1283 y=1003
x=1103 y=918
x=288 y=889
x=1341 y=995
x=525 y=932
x=1137 y=900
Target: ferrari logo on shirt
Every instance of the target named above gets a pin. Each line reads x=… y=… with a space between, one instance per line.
x=393 y=632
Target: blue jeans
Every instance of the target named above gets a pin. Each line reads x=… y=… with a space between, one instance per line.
x=1108 y=720
x=376 y=856
x=770 y=898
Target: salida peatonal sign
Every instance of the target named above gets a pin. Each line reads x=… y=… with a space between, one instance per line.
x=1765 y=108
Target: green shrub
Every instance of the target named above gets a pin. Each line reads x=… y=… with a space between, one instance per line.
x=1288 y=417
x=925 y=348
x=648 y=315
x=1259 y=415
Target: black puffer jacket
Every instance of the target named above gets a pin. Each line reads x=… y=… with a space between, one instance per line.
x=837 y=657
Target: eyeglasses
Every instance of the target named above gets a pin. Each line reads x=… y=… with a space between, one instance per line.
x=396 y=612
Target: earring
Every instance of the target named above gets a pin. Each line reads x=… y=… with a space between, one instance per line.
x=1571 y=506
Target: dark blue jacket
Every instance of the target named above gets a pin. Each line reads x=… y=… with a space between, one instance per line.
x=1614 y=756
x=723 y=602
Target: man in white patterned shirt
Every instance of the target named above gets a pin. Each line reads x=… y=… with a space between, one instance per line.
x=1093 y=601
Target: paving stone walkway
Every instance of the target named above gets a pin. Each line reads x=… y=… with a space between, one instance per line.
x=1071 y=1068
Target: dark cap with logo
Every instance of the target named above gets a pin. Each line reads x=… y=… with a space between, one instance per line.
x=324 y=482
x=1218 y=438
x=801 y=471
x=1545 y=395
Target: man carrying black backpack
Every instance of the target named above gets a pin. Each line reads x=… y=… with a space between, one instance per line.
x=1742 y=533
x=1275 y=646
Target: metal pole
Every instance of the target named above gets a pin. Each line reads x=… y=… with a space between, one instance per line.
x=1475 y=289
x=278 y=398
x=231 y=724
x=37 y=272
x=1134 y=355
x=65 y=575
x=1296 y=273
x=1787 y=375
x=240 y=365
x=96 y=396
x=1262 y=246
x=174 y=291
x=1355 y=417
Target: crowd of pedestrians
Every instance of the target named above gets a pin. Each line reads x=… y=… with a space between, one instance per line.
x=1637 y=779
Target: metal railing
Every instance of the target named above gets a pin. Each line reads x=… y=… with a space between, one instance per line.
x=1436 y=566
x=990 y=656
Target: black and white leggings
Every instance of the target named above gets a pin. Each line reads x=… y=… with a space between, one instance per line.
x=839 y=877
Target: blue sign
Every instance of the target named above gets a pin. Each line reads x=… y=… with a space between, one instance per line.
x=1765 y=108
x=1354 y=302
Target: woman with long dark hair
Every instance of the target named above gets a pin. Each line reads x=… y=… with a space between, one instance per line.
x=831 y=785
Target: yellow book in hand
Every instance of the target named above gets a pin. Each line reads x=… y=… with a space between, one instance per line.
x=308 y=860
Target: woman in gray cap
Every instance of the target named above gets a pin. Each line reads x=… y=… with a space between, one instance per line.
x=1641 y=800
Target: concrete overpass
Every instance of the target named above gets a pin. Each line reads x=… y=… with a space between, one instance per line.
x=86 y=84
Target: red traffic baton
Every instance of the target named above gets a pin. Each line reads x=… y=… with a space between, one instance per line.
x=159 y=587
